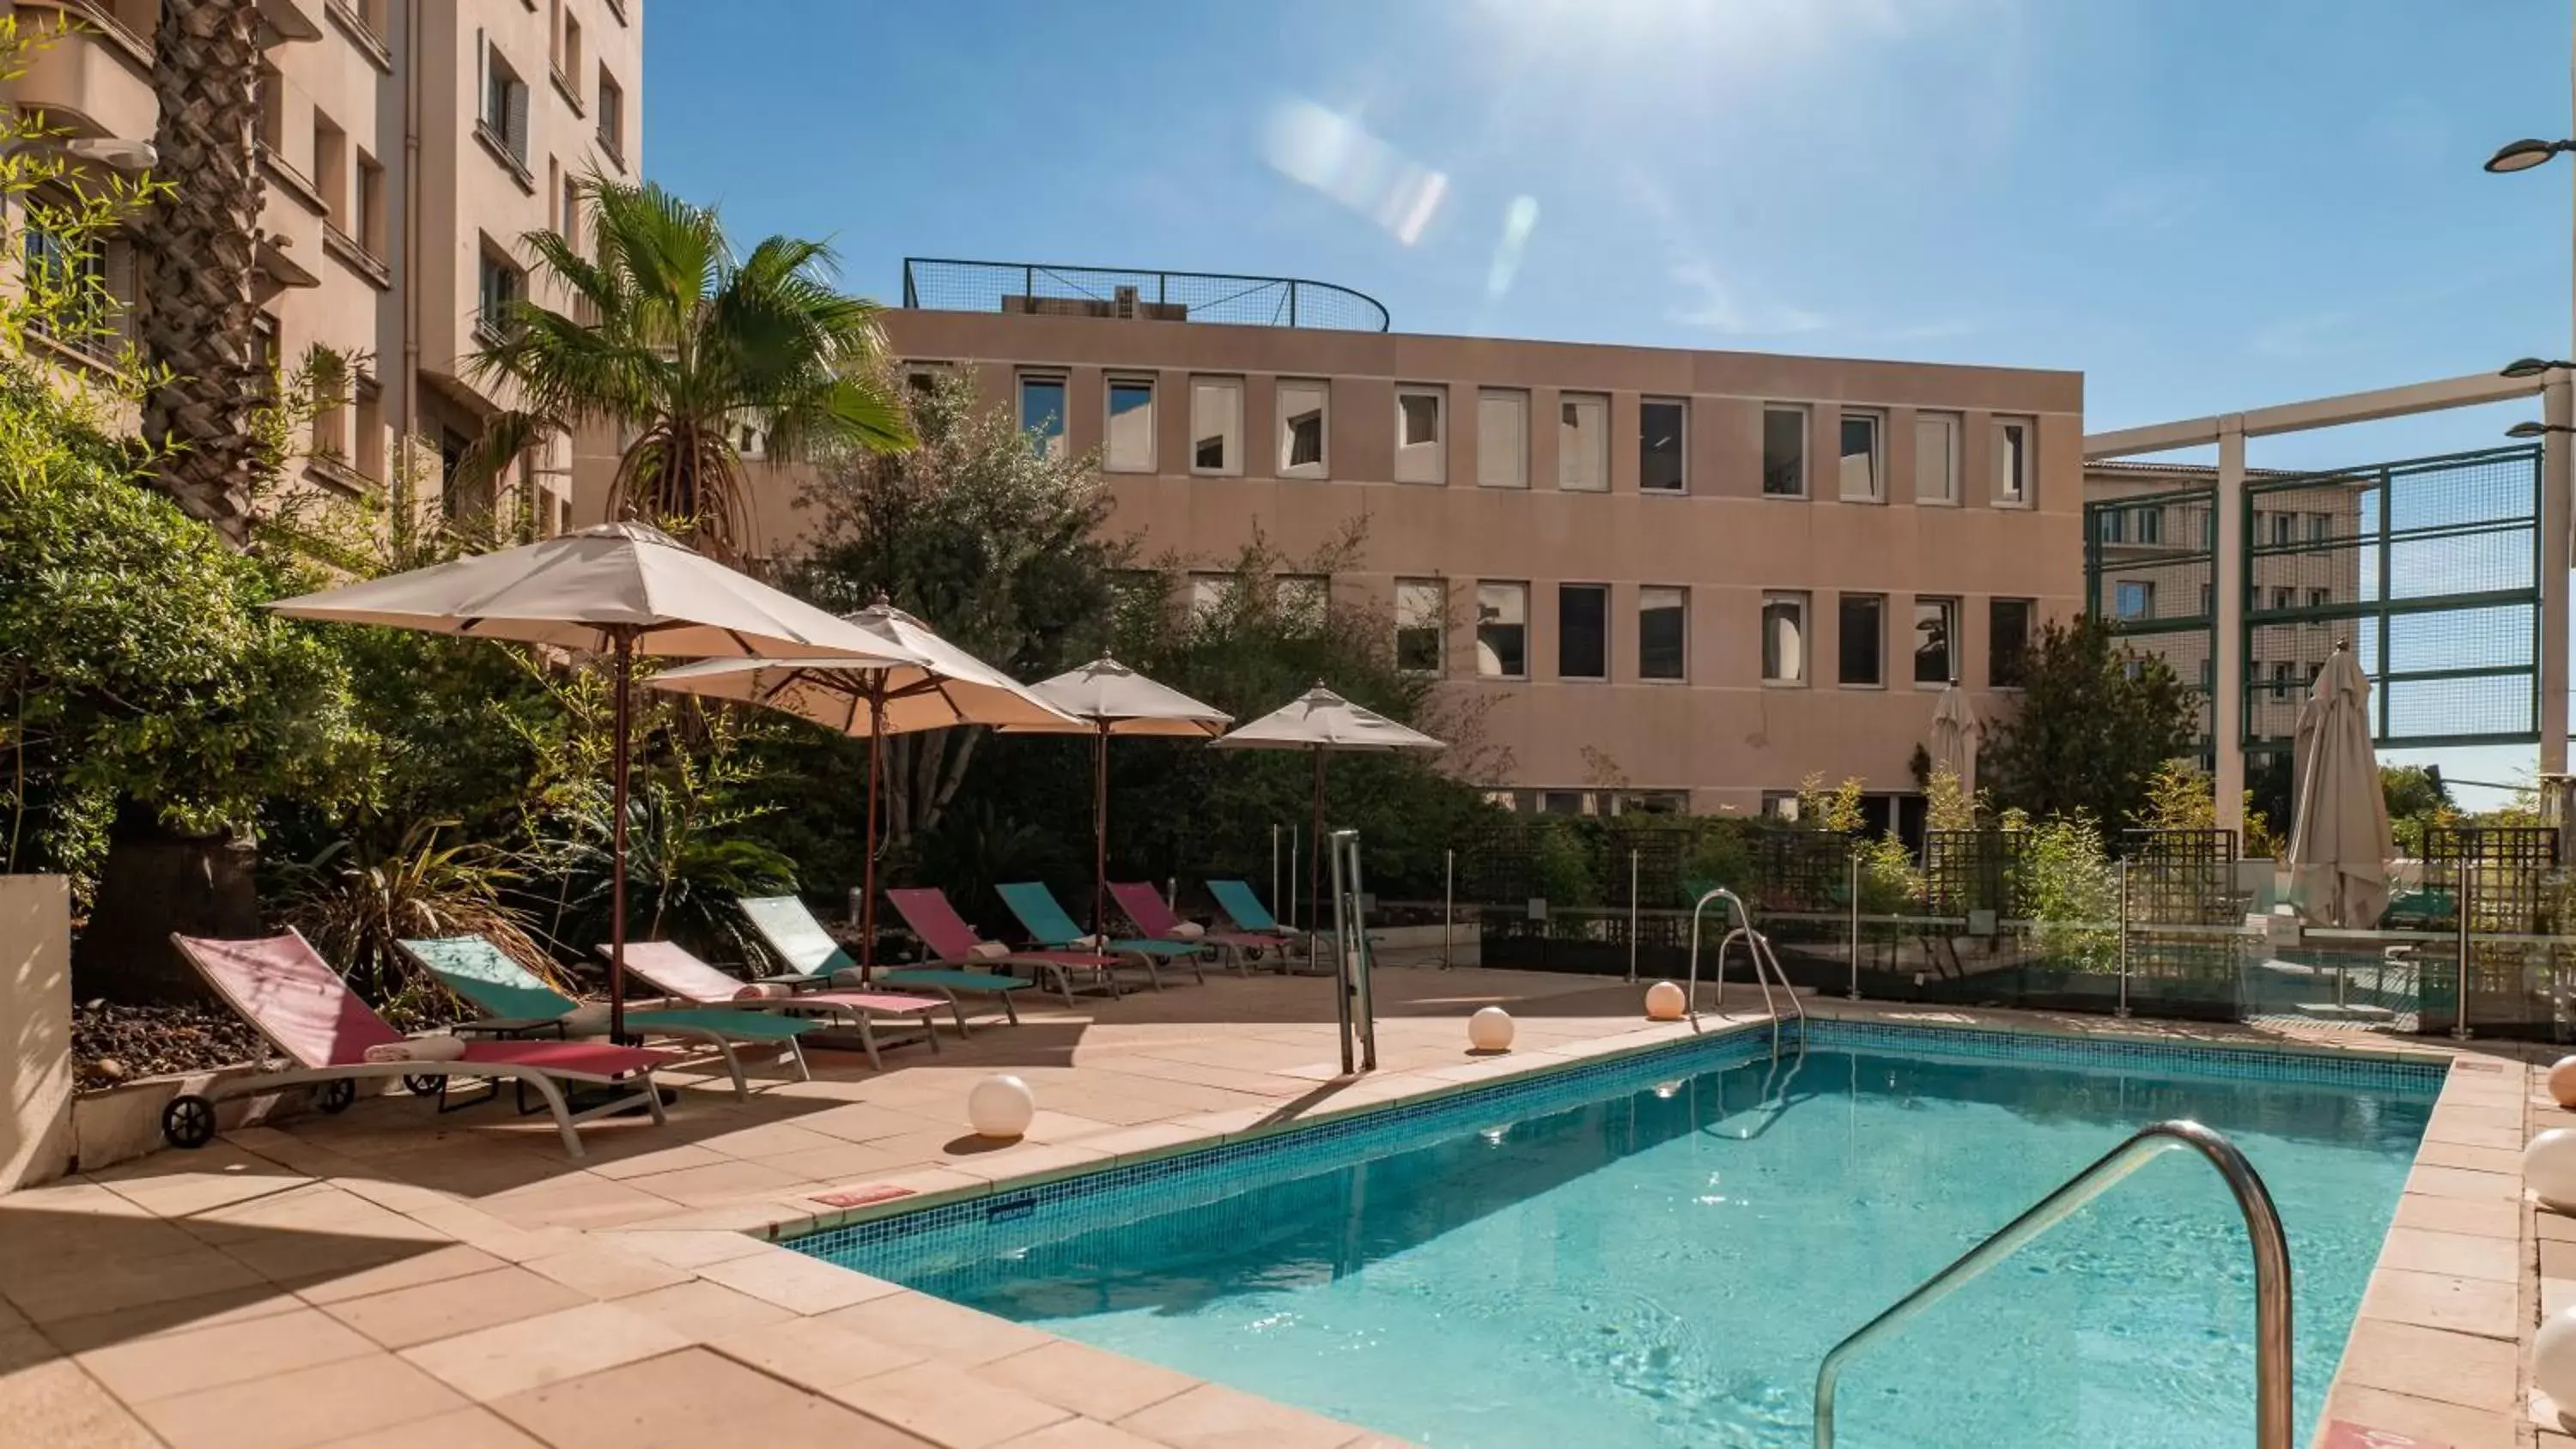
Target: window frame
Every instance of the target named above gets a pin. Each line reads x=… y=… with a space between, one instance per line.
x=1682 y=664
x=1948 y=607
x=1109 y=388
x=1522 y=586
x=1322 y=466
x=2146 y=596
x=1802 y=413
x=1055 y=446
x=1233 y=465
x=1519 y=399
x=2018 y=655
x=1603 y=593
x=2022 y=478
x=1951 y=425
x=1843 y=635
x=1877 y=454
x=1801 y=602
x=1681 y=446
x=1438 y=625
x=1438 y=473
x=1566 y=449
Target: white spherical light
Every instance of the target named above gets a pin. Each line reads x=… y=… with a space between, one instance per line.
x=1490 y=1030
x=1664 y=1002
x=2553 y=1358
x=1001 y=1107
x=2549 y=1167
x=2562 y=1082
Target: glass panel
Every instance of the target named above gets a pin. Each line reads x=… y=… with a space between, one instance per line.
x=1419 y=457
x=1583 y=445
x=1863 y=639
x=1216 y=426
x=1502 y=440
x=1301 y=428
x=1784 y=452
x=1042 y=414
x=1936 y=460
x=1419 y=625
x=1663 y=617
x=2012 y=462
x=1583 y=631
x=1784 y=642
x=1502 y=630
x=1935 y=624
x=2007 y=642
x=1860 y=456
x=1131 y=426
x=1660 y=443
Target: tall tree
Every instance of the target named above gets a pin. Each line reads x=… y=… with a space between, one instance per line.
x=2095 y=724
x=196 y=311
x=675 y=335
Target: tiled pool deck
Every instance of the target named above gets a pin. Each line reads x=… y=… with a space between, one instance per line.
x=385 y=1278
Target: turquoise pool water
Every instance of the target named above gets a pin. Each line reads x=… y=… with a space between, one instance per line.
x=1659 y=1253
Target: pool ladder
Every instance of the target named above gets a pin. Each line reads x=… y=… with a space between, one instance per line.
x=2272 y=1357
x=1766 y=966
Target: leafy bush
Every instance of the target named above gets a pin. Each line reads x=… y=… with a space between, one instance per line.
x=355 y=903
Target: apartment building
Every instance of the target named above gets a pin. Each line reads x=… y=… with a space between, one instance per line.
x=406 y=147
x=2153 y=538
x=1677 y=579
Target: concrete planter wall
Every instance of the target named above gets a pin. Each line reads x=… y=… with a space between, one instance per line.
x=35 y=1028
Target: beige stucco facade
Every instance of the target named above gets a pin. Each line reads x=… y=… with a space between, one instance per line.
x=397 y=172
x=1719 y=736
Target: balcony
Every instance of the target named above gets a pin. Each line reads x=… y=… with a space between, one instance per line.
x=94 y=82
x=946 y=285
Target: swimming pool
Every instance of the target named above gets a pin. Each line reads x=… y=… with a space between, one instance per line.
x=1658 y=1250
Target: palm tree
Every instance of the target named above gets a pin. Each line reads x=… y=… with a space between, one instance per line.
x=195 y=309
x=675 y=335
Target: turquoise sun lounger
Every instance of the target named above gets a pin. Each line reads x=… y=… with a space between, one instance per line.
x=791 y=930
x=1049 y=926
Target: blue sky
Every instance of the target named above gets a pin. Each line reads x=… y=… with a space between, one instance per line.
x=2204 y=205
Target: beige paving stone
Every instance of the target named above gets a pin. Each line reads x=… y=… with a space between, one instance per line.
x=938 y=1329
x=468 y=1428
x=2475 y=1159
x=1079 y=1434
x=2441 y=1300
x=82 y=1284
x=2478 y=1217
x=692 y=1399
x=46 y=1399
x=2454 y=1182
x=495 y=1363
x=840 y=1162
x=1214 y=1417
x=310 y=1406
x=2430 y=1363
x=2449 y=1424
x=717 y=1183
x=598 y=1269
x=184 y=1315
x=2498 y=1260
x=437 y=1265
x=1086 y=1380
x=642 y=1158
x=264 y=1347
x=796 y=1282
x=427 y=1311
x=699 y=1310
x=943 y=1404
x=812 y=1352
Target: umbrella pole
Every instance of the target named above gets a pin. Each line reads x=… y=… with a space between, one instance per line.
x=624 y=724
x=1100 y=834
x=868 y=871
x=1314 y=859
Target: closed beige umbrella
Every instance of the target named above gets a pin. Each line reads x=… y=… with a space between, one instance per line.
x=620 y=589
x=1955 y=732
x=1107 y=698
x=2339 y=839
x=1322 y=722
x=923 y=683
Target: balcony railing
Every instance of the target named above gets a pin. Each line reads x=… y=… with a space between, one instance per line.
x=950 y=285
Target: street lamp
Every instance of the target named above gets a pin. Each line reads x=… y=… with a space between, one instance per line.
x=2522 y=367
x=2537 y=430
x=2524 y=154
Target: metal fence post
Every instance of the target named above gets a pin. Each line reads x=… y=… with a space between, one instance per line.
x=1448 y=902
x=2124 y=938
x=1855 y=926
x=2460 y=976
x=1274 y=873
x=1632 y=916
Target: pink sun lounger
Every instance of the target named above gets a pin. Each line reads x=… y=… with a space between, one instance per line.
x=669 y=968
x=927 y=911
x=282 y=986
x=1151 y=914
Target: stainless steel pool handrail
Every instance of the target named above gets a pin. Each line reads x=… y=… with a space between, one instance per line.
x=1757 y=947
x=2272 y=1347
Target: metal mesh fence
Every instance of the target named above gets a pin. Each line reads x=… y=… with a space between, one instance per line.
x=2149 y=572
x=947 y=285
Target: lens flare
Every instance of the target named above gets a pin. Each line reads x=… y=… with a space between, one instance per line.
x=1336 y=155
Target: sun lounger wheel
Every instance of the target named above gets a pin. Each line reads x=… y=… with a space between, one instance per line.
x=423 y=1086
x=335 y=1096
x=189 y=1121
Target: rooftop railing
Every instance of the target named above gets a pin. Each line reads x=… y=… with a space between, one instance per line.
x=945 y=284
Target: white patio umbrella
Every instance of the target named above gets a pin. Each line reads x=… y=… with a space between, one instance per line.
x=2339 y=838
x=1322 y=722
x=618 y=589
x=923 y=683
x=1107 y=698
x=1955 y=732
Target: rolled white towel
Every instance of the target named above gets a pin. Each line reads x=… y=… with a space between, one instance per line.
x=764 y=991
x=418 y=1049
x=1088 y=943
x=988 y=951
x=1188 y=931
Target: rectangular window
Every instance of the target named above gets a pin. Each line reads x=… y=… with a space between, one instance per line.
x=369 y=456
x=1420 y=456
x=505 y=104
x=1502 y=440
x=1784 y=638
x=1207 y=595
x=1663 y=441
x=331 y=169
x=1583 y=444
x=1936 y=627
x=1129 y=438
x=1936 y=458
x=2206 y=599
x=2283 y=596
x=612 y=118
x=2151 y=525
x=500 y=286
x=2320 y=598
x=1042 y=415
x=2133 y=599
x=271 y=89
x=1421 y=625
x=1502 y=631
x=569 y=62
x=1862 y=648
x=1302 y=599
x=2112 y=525
x=2012 y=462
x=1859 y=468
x=2008 y=635
x=1784 y=452
x=1216 y=425
x=569 y=200
x=2284 y=528
x=1301 y=429
x=367 y=206
x=1663 y=633
x=2208 y=673
x=1583 y=631
x=2320 y=527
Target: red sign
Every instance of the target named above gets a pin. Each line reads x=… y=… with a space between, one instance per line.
x=2344 y=1434
x=882 y=1192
